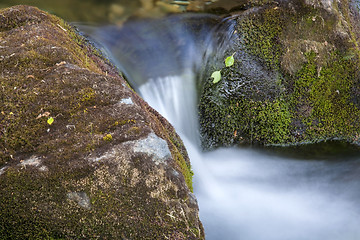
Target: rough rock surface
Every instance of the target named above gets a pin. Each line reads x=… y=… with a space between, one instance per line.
x=81 y=155
x=295 y=78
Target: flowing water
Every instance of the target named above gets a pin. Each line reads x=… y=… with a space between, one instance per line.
x=248 y=194
x=243 y=193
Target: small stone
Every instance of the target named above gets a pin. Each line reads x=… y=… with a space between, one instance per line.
x=127 y=101
x=155 y=146
x=2 y=170
x=32 y=161
x=81 y=198
x=43 y=168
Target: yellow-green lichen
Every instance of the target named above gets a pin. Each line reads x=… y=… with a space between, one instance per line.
x=108 y=138
x=123 y=122
x=185 y=170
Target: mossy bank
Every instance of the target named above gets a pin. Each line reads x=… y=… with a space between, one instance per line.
x=81 y=155
x=295 y=78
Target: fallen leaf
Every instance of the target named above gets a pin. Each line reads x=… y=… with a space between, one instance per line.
x=216 y=76
x=229 y=61
x=50 y=120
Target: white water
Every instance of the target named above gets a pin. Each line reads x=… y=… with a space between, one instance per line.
x=243 y=193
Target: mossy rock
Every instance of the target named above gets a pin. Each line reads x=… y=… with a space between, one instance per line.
x=295 y=78
x=81 y=155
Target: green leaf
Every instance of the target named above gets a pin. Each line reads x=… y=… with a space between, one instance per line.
x=50 y=120
x=216 y=76
x=229 y=61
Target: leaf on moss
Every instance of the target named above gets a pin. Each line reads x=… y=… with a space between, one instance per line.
x=50 y=120
x=216 y=76
x=229 y=61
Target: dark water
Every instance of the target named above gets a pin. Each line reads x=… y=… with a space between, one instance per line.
x=153 y=48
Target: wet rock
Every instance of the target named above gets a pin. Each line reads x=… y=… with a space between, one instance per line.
x=81 y=154
x=295 y=78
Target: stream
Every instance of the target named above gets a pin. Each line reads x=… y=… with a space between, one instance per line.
x=301 y=193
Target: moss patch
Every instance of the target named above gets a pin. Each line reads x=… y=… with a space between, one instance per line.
x=78 y=177
x=260 y=33
x=244 y=121
x=322 y=98
x=294 y=79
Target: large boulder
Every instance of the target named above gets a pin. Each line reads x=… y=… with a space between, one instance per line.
x=81 y=155
x=295 y=77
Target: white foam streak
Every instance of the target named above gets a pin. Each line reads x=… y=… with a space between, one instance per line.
x=175 y=98
x=262 y=200
x=244 y=194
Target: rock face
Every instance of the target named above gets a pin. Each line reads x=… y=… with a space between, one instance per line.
x=81 y=155
x=295 y=78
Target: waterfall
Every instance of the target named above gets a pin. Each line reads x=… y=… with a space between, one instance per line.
x=243 y=193
x=174 y=97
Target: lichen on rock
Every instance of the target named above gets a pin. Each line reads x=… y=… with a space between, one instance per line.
x=93 y=172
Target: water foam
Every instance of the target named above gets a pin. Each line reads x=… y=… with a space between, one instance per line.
x=242 y=193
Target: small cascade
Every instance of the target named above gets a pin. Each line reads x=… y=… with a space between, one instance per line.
x=172 y=96
x=162 y=59
x=242 y=193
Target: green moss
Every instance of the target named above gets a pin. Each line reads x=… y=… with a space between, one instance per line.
x=185 y=170
x=243 y=120
x=76 y=44
x=180 y=156
x=323 y=92
x=272 y=122
x=134 y=131
x=319 y=107
x=260 y=33
x=35 y=219
x=15 y=114
x=34 y=206
x=87 y=94
x=20 y=217
x=316 y=71
x=24 y=127
x=353 y=28
x=259 y=2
